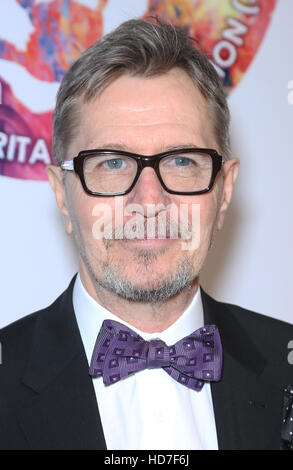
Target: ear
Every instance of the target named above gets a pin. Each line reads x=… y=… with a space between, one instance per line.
x=230 y=173
x=56 y=182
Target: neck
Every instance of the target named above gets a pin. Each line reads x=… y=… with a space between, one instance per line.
x=146 y=316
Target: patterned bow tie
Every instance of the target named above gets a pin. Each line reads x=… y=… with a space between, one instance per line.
x=120 y=352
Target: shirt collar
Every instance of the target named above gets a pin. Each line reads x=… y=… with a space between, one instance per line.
x=90 y=316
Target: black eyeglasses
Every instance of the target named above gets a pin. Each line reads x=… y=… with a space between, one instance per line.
x=189 y=171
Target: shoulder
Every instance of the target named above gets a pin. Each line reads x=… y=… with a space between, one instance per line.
x=24 y=325
x=260 y=323
x=246 y=316
x=16 y=341
x=271 y=334
x=16 y=338
x=22 y=328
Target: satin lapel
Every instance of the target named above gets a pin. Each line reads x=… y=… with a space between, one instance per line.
x=248 y=399
x=61 y=411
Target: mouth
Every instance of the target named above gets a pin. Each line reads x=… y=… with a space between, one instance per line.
x=148 y=242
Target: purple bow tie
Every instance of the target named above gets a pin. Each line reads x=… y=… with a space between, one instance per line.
x=119 y=352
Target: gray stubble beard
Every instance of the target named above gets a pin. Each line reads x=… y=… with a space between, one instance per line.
x=164 y=288
x=114 y=279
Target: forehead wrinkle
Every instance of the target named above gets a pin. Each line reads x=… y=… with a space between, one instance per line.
x=143 y=108
x=102 y=138
x=164 y=148
x=148 y=110
x=141 y=124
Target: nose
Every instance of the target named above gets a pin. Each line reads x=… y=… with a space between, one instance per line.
x=148 y=190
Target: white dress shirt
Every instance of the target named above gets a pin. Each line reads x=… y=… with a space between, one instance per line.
x=149 y=409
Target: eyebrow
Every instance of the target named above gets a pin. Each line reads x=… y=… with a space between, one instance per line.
x=120 y=146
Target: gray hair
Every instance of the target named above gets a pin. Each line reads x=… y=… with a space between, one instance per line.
x=142 y=48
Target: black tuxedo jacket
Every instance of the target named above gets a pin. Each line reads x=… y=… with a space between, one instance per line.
x=47 y=398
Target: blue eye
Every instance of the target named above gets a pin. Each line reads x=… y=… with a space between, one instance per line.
x=114 y=164
x=182 y=161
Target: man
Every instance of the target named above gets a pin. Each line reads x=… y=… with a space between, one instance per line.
x=141 y=144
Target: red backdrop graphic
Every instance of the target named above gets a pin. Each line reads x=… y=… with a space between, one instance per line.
x=230 y=32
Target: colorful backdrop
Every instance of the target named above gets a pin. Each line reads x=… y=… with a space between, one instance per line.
x=249 y=42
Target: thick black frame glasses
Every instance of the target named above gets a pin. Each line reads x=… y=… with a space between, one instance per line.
x=77 y=164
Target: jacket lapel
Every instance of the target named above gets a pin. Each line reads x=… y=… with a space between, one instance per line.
x=60 y=410
x=248 y=399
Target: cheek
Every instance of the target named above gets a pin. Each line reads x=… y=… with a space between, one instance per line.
x=208 y=211
x=91 y=213
x=207 y=205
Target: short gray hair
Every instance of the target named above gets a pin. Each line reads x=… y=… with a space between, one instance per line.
x=140 y=48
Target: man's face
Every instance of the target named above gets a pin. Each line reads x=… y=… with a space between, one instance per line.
x=144 y=116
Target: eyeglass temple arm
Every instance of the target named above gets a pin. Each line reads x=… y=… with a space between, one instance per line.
x=67 y=165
